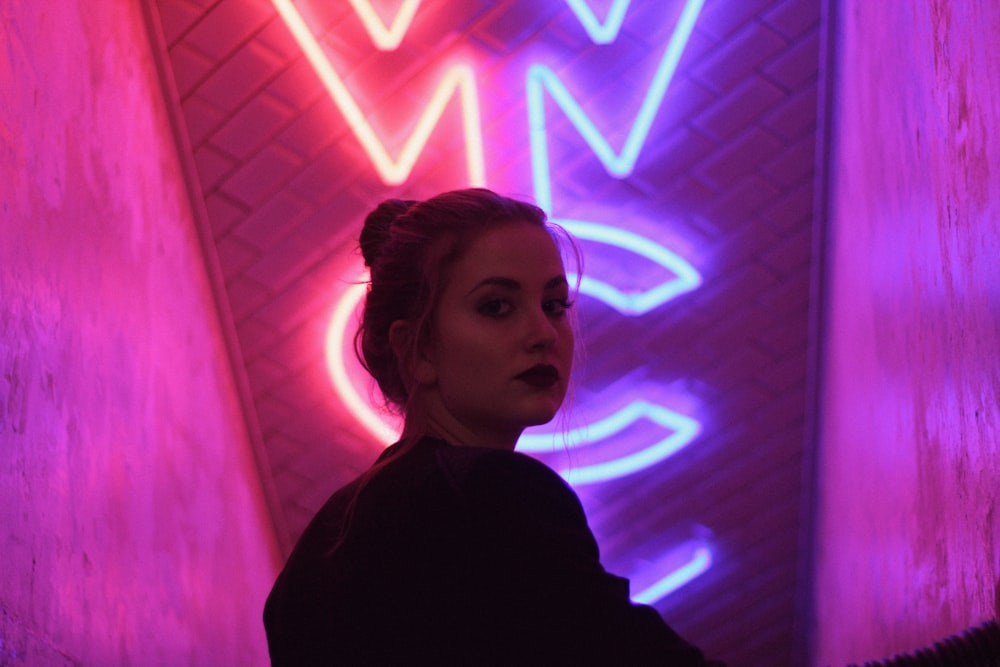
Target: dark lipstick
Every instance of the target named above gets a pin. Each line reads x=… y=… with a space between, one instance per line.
x=542 y=375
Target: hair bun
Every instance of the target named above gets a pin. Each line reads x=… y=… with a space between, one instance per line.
x=375 y=231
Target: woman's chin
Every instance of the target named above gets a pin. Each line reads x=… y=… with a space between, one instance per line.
x=541 y=416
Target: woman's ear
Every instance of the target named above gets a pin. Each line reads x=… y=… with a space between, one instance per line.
x=412 y=360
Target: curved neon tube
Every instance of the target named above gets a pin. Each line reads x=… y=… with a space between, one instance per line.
x=612 y=425
x=336 y=339
x=700 y=561
x=684 y=431
x=685 y=279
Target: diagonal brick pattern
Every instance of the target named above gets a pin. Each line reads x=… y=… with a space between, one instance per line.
x=725 y=179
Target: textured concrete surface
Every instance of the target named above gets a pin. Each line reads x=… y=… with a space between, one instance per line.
x=909 y=537
x=132 y=528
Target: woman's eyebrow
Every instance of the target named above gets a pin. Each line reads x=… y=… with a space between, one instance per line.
x=496 y=281
x=511 y=284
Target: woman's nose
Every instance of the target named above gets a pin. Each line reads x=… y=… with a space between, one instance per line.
x=542 y=333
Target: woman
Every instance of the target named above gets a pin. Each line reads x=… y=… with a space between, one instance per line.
x=452 y=548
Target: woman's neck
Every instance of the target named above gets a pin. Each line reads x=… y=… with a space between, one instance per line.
x=457 y=434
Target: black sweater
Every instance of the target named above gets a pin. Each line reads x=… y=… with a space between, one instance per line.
x=458 y=555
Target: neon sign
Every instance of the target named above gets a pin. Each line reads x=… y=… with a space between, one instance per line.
x=670 y=571
x=605 y=453
x=684 y=280
x=460 y=78
x=680 y=431
x=344 y=374
x=600 y=33
x=386 y=37
x=542 y=78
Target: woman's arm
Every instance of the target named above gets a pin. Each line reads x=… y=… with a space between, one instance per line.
x=548 y=580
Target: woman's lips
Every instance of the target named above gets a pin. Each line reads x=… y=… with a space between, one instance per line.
x=542 y=375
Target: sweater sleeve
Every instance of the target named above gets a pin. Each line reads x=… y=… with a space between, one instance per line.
x=977 y=646
x=548 y=582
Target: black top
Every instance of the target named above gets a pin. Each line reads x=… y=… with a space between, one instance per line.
x=458 y=555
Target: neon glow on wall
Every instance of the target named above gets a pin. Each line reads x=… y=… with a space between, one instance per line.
x=664 y=431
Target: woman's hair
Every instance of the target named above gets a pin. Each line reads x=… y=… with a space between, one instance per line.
x=409 y=247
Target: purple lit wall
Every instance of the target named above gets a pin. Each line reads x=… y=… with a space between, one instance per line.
x=909 y=531
x=132 y=525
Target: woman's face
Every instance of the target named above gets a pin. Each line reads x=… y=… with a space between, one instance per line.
x=501 y=345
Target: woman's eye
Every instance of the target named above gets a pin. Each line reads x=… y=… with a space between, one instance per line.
x=495 y=307
x=557 y=307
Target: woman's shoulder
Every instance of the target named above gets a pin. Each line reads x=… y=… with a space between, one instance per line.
x=486 y=465
x=511 y=481
x=487 y=482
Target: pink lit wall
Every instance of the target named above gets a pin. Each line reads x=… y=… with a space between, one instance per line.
x=132 y=524
x=909 y=469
